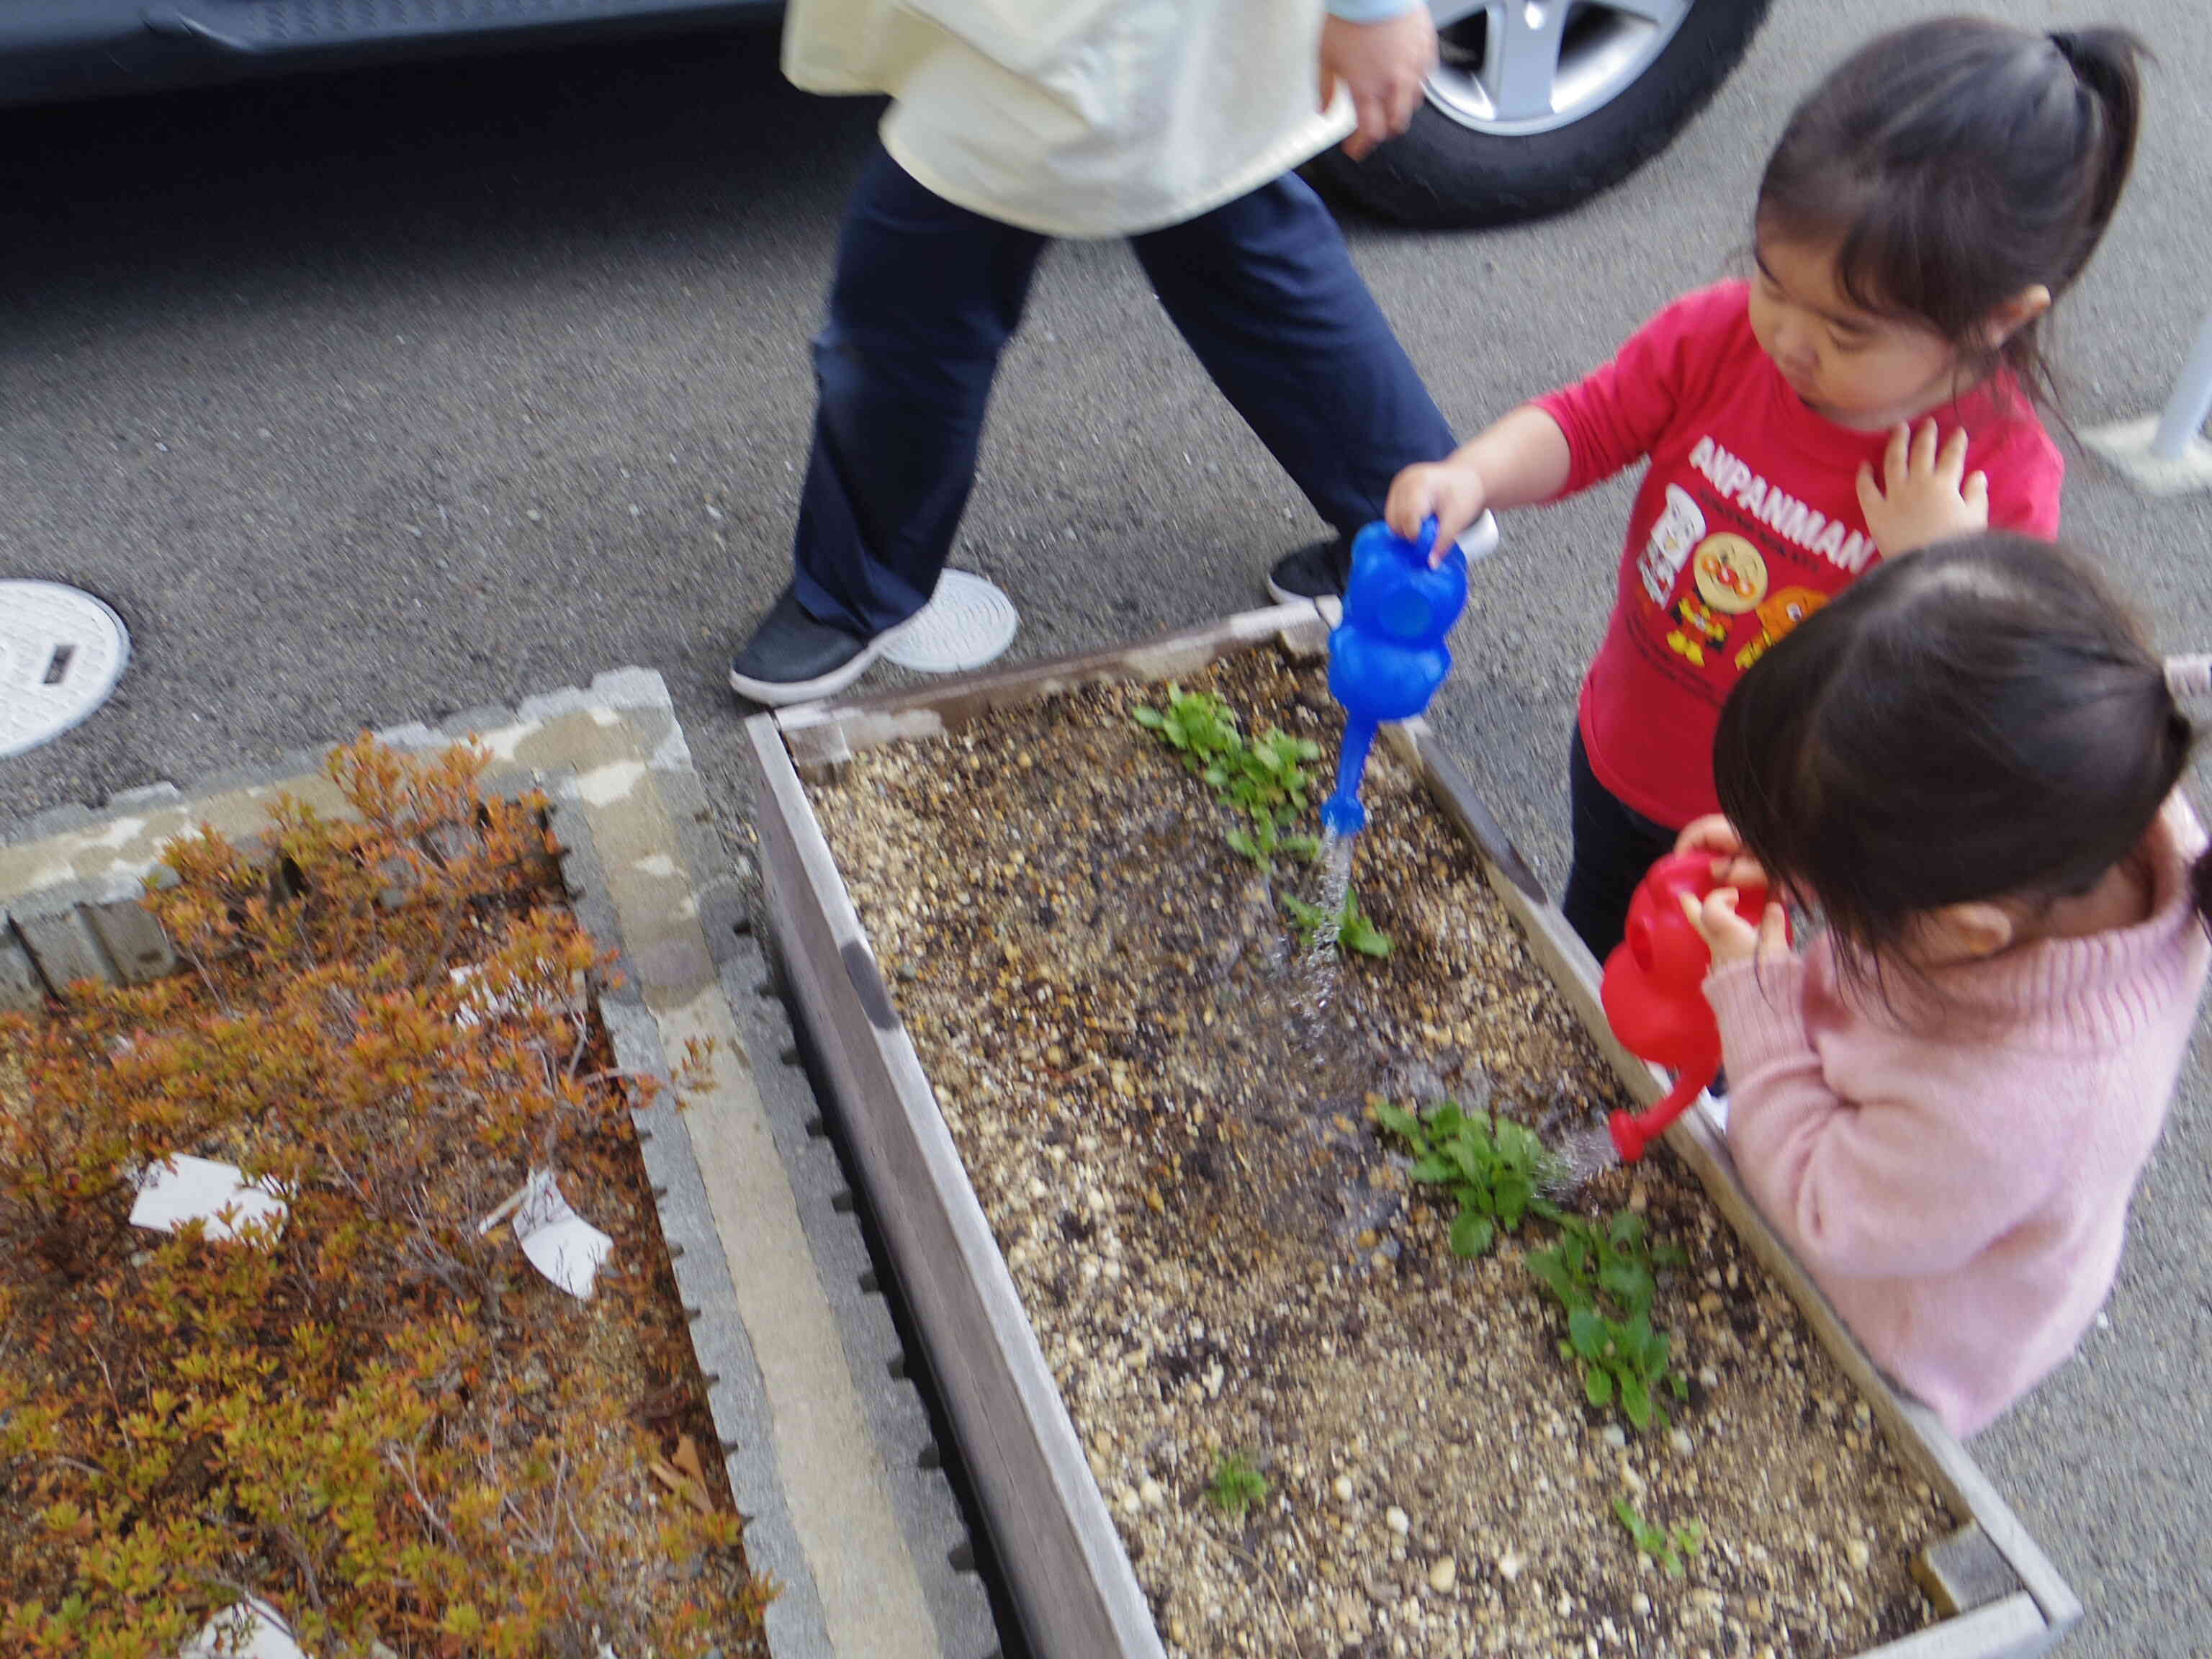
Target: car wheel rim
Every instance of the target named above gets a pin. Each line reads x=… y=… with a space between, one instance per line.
x=1516 y=67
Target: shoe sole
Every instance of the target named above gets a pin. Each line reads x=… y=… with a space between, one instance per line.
x=781 y=694
x=1330 y=605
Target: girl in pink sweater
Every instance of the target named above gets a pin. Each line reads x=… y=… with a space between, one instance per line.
x=1965 y=763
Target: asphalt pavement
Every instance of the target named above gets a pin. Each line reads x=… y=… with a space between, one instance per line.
x=372 y=398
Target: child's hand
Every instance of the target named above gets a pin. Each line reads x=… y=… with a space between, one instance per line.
x=1729 y=937
x=1926 y=496
x=1451 y=492
x=1714 y=834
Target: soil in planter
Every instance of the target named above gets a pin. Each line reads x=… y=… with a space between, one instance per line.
x=1221 y=1256
x=382 y=1423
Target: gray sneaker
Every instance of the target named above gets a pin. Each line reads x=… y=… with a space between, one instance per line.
x=1316 y=573
x=790 y=658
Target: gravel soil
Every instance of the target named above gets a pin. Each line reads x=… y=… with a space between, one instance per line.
x=1222 y=1255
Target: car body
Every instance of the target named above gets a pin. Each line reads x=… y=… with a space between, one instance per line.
x=57 y=50
x=1534 y=105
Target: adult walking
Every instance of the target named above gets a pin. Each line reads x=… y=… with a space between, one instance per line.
x=1174 y=123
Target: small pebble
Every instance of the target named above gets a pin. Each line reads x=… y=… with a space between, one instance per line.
x=1615 y=1435
x=1856 y=1553
x=1509 y=1566
x=1642 y=1604
x=1342 y=1487
x=1679 y=1440
x=1444 y=1573
x=1396 y=1519
x=1151 y=1492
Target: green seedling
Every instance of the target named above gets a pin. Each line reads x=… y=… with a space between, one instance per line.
x=1622 y=1361
x=1668 y=1546
x=1351 y=931
x=1268 y=778
x=1356 y=932
x=1267 y=781
x=1197 y=724
x=1237 y=1485
x=1496 y=1168
x=1602 y=1276
x=1264 y=781
x=1265 y=840
x=1607 y=1267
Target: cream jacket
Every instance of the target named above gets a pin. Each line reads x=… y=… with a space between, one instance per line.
x=1079 y=117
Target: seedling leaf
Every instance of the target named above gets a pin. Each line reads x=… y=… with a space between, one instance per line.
x=1471 y=1233
x=1236 y=1486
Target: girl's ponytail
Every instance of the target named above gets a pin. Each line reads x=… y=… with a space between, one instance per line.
x=1955 y=164
x=2108 y=65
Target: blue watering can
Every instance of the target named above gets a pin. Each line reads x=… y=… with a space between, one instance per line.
x=1387 y=657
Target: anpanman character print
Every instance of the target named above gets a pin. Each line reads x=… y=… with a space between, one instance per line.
x=1721 y=604
x=1728 y=577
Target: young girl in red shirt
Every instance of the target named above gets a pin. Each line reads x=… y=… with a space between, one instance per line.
x=1925 y=206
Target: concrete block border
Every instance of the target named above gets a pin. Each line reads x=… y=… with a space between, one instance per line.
x=828 y=1446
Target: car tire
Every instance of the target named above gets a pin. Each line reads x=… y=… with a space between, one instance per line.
x=1452 y=169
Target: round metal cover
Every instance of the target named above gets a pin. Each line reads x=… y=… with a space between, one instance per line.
x=966 y=623
x=61 y=653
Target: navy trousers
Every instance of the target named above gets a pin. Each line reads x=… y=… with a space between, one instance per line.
x=1615 y=847
x=926 y=295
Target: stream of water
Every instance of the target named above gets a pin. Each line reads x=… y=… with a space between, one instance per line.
x=1322 y=960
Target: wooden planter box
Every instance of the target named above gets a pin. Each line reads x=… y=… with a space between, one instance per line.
x=1071 y=1579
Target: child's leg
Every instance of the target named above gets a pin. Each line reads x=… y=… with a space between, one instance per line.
x=925 y=295
x=1265 y=291
x=1614 y=846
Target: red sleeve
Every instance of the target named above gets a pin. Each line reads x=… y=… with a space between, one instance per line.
x=1614 y=416
x=2026 y=473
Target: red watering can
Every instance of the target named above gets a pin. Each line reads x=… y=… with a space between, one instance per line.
x=1654 y=992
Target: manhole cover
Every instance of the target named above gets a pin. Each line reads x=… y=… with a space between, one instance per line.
x=61 y=653
x=965 y=624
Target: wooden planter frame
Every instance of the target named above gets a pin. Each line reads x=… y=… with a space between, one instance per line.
x=1076 y=1593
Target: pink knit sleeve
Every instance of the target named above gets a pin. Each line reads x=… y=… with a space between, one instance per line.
x=1866 y=1188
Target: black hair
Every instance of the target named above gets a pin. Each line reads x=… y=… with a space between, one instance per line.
x=1955 y=163
x=1982 y=719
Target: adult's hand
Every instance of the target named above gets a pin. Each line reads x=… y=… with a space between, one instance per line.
x=1382 y=65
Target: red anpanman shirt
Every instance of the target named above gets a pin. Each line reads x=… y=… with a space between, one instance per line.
x=1746 y=522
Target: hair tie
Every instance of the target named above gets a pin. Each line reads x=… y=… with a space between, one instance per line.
x=2189 y=679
